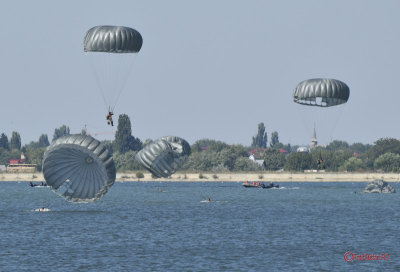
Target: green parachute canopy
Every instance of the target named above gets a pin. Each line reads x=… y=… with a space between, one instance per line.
x=164 y=156
x=321 y=92
x=79 y=168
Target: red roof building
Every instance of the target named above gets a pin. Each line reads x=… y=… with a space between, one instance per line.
x=14 y=161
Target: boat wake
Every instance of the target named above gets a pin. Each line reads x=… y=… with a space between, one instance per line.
x=284 y=188
x=41 y=210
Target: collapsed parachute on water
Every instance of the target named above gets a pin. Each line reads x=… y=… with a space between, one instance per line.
x=79 y=168
x=164 y=156
x=111 y=51
x=321 y=92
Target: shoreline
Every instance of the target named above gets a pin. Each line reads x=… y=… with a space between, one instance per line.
x=228 y=177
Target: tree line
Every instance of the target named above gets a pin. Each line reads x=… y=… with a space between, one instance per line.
x=216 y=156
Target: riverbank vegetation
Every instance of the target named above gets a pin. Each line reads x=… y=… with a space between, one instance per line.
x=216 y=156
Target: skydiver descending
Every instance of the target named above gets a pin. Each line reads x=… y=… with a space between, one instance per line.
x=320 y=162
x=111 y=69
x=109 y=118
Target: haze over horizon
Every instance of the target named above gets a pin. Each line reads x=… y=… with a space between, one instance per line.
x=207 y=69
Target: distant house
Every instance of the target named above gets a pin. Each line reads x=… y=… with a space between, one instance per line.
x=283 y=151
x=303 y=149
x=257 y=152
x=259 y=162
x=3 y=168
x=14 y=161
x=19 y=166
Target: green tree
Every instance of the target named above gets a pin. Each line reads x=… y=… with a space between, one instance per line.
x=352 y=164
x=274 y=159
x=4 y=142
x=359 y=148
x=59 y=132
x=384 y=145
x=43 y=140
x=208 y=145
x=380 y=147
x=32 y=145
x=6 y=155
x=260 y=140
x=35 y=156
x=228 y=156
x=126 y=161
x=124 y=141
x=336 y=145
x=298 y=161
x=15 y=141
x=245 y=164
x=333 y=159
x=274 y=143
x=388 y=162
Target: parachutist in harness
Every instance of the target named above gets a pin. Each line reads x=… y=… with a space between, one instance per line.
x=320 y=162
x=109 y=118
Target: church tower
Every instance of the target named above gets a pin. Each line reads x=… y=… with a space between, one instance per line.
x=314 y=141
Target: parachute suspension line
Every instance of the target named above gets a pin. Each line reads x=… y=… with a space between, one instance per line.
x=306 y=127
x=99 y=85
x=129 y=66
x=336 y=122
x=112 y=46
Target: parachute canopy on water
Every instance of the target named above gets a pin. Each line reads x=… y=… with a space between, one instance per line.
x=164 y=156
x=112 y=39
x=321 y=92
x=79 y=168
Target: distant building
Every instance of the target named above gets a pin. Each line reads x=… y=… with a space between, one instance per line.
x=259 y=162
x=3 y=168
x=314 y=140
x=283 y=151
x=303 y=149
x=257 y=152
x=14 y=161
x=19 y=166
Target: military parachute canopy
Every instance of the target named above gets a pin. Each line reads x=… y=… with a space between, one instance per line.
x=112 y=39
x=321 y=92
x=79 y=168
x=164 y=156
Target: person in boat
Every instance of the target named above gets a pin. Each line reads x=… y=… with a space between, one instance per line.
x=209 y=199
x=109 y=118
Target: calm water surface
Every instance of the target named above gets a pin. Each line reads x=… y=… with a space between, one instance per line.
x=166 y=227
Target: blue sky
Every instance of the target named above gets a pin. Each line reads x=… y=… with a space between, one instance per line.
x=207 y=69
